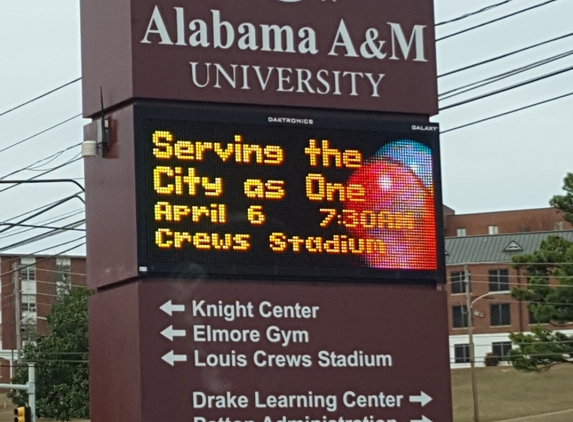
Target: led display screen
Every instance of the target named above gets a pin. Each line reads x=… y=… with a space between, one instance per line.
x=261 y=192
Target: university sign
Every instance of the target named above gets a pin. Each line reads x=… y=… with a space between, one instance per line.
x=343 y=54
x=264 y=211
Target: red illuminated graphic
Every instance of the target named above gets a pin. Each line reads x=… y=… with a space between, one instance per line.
x=398 y=210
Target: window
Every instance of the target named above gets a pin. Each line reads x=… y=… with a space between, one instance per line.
x=532 y=318
x=500 y=314
x=535 y=320
x=29 y=328
x=498 y=280
x=462 y=353
x=63 y=276
x=492 y=230
x=558 y=225
x=28 y=303
x=460 y=316
x=501 y=349
x=28 y=269
x=461 y=232
x=28 y=287
x=457 y=281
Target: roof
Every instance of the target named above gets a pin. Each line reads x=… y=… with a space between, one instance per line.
x=496 y=247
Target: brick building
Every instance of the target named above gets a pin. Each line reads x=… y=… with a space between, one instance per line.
x=500 y=222
x=484 y=244
x=39 y=281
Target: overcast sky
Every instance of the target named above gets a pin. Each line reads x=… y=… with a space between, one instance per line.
x=512 y=162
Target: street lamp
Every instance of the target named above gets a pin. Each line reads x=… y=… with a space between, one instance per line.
x=469 y=308
x=30 y=321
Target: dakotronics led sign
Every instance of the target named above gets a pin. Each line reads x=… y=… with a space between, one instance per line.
x=250 y=192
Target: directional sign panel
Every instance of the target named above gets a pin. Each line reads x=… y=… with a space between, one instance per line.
x=257 y=352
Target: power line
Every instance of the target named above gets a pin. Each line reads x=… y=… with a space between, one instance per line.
x=63 y=353
x=52 y=232
x=50 y=295
x=33 y=210
x=47 y=257
x=506 y=357
x=519 y=263
x=32 y=226
x=467 y=15
x=494 y=20
x=496 y=78
x=39 y=96
x=486 y=281
x=484 y=278
x=45 y=209
x=503 y=56
x=508 y=88
x=39 y=270
x=41 y=225
x=20 y=182
x=506 y=113
x=40 y=133
x=50 y=304
x=43 y=160
x=41 y=258
x=40 y=362
x=509 y=299
x=62 y=244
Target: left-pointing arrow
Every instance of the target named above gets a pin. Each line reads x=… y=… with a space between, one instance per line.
x=171 y=358
x=169 y=307
x=170 y=333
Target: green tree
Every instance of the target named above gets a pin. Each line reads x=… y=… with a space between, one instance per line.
x=61 y=357
x=540 y=350
x=552 y=260
x=550 y=303
x=565 y=202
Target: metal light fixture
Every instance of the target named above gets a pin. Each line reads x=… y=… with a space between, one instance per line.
x=91 y=148
x=96 y=148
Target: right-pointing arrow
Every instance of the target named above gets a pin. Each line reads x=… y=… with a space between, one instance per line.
x=171 y=358
x=168 y=307
x=424 y=419
x=423 y=399
x=170 y=333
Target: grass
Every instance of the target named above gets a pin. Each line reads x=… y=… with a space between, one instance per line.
x=505 y=393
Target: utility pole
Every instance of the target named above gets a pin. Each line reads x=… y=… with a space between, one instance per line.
x=32 y=389
x=471 y=346
x=17 y=309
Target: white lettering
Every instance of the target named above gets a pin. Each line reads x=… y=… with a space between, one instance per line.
x=342 y=39
x=278 y=32
x=217 y=35
x=221 y=71
x=248 y=39
x=375 y=83
x=417 y=36
x=160 y=29
x=199 y=36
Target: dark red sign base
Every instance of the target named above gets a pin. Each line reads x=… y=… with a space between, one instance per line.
x=165 y=350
